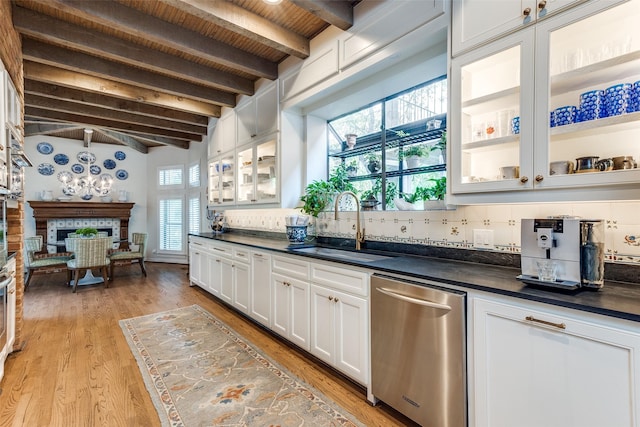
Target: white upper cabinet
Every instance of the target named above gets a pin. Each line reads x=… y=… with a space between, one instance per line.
x=476 y=22
x=551 y=106
x=224 y=134
x=258 y=116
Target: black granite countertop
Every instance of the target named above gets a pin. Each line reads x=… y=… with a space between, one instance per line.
x=615 y=299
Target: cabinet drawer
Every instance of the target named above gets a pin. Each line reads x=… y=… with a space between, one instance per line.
x=241 y=254
x=340 y=278
x=291 y=267
x=222 y=250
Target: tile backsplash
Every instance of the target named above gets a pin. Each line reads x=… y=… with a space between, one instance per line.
x=455 y=228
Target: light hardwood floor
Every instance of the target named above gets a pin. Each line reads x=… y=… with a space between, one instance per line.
x=75 y=368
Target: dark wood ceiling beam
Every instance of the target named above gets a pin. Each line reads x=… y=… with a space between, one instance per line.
x=159 y=140
x=125 y=140
x=122 y=116
x=138 y=24
x=36 y=51
x=234 y=18
x=335 y=12
x=62 y=93
x=93 y=121
x=42 y=128
x=57 y=76
x=52 y=30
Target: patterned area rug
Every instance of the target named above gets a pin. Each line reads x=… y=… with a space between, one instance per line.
x=199 y=372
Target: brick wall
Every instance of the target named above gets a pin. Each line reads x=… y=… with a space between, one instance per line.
x=11 y=55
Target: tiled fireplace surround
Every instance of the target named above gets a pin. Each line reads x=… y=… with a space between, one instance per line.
x=454 y=228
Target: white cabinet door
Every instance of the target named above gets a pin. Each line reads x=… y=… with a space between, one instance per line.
x=241 y=296
x=224 y=134
x=261 y=287
x=196 y=262
x=477 y=22
x=214 y=267
x=536 y=367
x=226 y=280
x=323 y=327
x=258 y=116
x=291 y=309
x=352 y=336
x=339 y=331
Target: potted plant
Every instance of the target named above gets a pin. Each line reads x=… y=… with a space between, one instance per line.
x=413 y=155
x=442 y=146
x=436 y=194
x=373 y=162
x=319 y=194
x=369 y=198
x=87 y=232
x=352 y=169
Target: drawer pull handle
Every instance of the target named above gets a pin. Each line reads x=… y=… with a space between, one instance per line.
x=545 y=322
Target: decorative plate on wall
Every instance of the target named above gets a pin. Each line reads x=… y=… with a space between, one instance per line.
x=95 y=169
x=86 y=157
x=61 y=159
x=119 y=155
x=122 y=174
x=65 y=176
x=45 y=169
x=44 y=148
x=77 y=168
x=109 y=164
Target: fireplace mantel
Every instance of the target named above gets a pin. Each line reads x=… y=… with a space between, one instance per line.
x=44 y=211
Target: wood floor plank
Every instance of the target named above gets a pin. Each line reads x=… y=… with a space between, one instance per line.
x=76 y=369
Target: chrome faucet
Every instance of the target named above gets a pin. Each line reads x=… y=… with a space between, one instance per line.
x=359 y=233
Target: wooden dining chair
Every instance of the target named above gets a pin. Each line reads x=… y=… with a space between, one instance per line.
x=126 y=257
x=38 y=263
x=89 y=254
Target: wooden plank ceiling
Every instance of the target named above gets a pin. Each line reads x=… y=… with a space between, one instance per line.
x=147 y=73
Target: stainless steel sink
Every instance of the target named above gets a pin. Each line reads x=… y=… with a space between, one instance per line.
x=342 y=254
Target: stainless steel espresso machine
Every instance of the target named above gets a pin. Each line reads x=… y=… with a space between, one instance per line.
x=563 y=252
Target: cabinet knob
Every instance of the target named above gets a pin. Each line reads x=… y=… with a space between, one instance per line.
x=539 y=178
x=330 y=298
x=12 y=291
x=527 y=11
x=335 y=299
x=542 y=4
x=524 y=179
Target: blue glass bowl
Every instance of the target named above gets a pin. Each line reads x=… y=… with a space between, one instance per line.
x=591 y=106
x=515 y=125
x=566 y=115
x=617 y=99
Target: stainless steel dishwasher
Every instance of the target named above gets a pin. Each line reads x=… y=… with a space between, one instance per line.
x=418 y=362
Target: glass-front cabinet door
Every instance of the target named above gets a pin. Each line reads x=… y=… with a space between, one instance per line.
x=590 y=69
x=492 y=116
x=222 y=183
x=257 y=172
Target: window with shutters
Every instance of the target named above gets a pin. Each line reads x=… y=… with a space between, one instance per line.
x=193 y=205
x=171 y=210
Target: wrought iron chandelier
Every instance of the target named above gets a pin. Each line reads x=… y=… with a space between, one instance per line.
x=87 y=186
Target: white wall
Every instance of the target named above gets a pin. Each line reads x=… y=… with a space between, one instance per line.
x=135 y=164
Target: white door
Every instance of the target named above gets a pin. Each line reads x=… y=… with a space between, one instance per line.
x=214 y=265
x=280 y=322
x=323 y=326
x=261 y=288
x=351 y=329
x=241 y=295
x=226 y=280
x=535 y=368
x=299 y=313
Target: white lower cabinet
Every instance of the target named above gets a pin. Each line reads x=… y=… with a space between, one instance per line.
x=537 y=365
x=226 y=280
x=260 y=288
x=339 y=331
x=241 y=284
x=290 y=308
x=213 y=264
x=196 y=263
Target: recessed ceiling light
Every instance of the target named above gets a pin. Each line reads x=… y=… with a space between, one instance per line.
x=272 y=1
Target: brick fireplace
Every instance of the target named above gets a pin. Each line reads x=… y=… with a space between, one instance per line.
x=51 y=217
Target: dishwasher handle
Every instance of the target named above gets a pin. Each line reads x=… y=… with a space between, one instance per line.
x=414 y=300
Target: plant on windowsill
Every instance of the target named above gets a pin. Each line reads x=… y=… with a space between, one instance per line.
x=373 y=162
x=369 y=199
x=436 y=194
x=352 y=169
x=319 y=194
x=87 y=232
x=413 y=155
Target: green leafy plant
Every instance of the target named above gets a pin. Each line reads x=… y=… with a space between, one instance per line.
x=415 y=150
x=390 y=193
x=319 y=194
x=87 y=231
x=420 y=193
x=438 y=190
